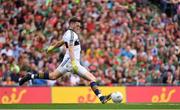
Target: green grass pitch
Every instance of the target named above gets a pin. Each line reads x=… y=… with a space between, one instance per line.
x=161 y=106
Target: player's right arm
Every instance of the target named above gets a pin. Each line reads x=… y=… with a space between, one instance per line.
x=71 y=54
x=71 y=51
x=56 y=45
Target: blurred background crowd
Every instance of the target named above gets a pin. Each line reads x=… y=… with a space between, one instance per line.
x=124 y=42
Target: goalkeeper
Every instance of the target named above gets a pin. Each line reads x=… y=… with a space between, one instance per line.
x=71 y=60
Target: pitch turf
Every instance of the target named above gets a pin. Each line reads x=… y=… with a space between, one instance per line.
x=162 y=106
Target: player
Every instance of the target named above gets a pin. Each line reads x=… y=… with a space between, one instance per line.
x=71 y=60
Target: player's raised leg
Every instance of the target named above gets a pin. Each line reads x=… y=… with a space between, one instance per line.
x=60 y=70
x=51 y=76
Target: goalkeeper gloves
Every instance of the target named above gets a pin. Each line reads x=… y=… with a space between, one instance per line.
x=50 y=49
x=74 y=66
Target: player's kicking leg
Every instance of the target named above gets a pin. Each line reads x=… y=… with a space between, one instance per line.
x=89 y=76
x=94 y=87
x=51 y=76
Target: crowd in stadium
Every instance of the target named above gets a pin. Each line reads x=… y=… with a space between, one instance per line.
x=124 y=42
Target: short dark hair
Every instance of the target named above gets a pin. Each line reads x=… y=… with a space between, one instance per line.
x=75 y=19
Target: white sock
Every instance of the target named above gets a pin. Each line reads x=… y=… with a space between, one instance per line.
x=99 y=95
x=32 y=76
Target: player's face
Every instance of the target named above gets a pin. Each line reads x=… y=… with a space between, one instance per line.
x=77 y=26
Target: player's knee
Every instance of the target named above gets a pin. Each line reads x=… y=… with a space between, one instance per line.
x=93 y=79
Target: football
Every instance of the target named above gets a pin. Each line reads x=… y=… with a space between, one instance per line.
x=117 y=97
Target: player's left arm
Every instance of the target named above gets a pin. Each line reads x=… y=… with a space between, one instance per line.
x=71 y=53
x=56 y=45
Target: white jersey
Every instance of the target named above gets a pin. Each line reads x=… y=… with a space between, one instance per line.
x=65 y=66
x=71 y=36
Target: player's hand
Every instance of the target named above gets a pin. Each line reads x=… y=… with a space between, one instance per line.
x=74 y=66
x=50 y=49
